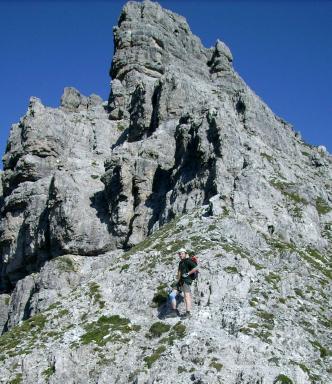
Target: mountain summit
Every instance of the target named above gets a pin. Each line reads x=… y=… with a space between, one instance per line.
x=97 y=197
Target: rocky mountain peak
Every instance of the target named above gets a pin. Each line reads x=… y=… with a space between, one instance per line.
x=159 y=40
x=96 y=198
x=72 y=100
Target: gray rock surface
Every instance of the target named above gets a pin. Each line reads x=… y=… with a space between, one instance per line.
x=4 y=304
x=257 y=315
x=184 y=154
x=53 y=197
x=223 y=142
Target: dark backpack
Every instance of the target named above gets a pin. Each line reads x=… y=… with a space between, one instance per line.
x=194 y=275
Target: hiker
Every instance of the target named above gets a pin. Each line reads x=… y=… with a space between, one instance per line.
x=186 y=270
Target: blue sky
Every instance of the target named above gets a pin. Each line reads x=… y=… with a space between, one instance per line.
x=282 y=49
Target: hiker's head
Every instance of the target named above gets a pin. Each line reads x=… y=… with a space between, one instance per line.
x=182 y=253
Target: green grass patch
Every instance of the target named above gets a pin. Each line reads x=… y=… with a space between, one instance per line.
x=296 y=211
x=212 y=227
x=55 y=305
x=315 y=254
x=257 y=331
x=149 y=360
x=17 y=379
x=282 y=300
x=266 y=316
x=216 y=364
x=61 y=313
x=286 y=190
x=257 y=266
x=66 y=264
x=324 y=352
x=154 y=241
x=253 y=302
x=280 y=246
x=52 y=334
x=107 y=329
x=273 y=279
x=322 y=206
x=201 y=245
x=299 y=293
x=28 y=331
x=158 y=328
x=124 y=267
x=95 y=294
x=246 y=331
x=233 y=248
x=264 y=336
x=161 y=296
x=327 y=231
x=327 y=323
x=304 y=153
x=226 y=212
x=181 y=369
x=177 y=332
x=253 y=325
x=48 y=372
x=231 y=269
x=316 y=260
x=120 y=127
x=282 y=379
x=304 y=368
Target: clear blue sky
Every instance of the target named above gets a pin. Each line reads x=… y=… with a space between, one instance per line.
x=282 y=49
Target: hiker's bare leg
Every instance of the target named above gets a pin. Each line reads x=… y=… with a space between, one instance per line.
x=187 y=300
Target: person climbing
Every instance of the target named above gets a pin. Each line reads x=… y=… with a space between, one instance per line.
x=186 y=270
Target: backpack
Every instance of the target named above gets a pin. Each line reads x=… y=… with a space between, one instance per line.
x=194 y=259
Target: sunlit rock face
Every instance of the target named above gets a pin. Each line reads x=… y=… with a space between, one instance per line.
x=96 y=198
x=194 y=131
x=180 y=128
x=53 y=200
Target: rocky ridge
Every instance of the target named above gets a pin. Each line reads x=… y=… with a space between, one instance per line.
x=183 y=154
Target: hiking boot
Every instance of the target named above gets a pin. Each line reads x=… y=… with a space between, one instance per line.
x=187 y=315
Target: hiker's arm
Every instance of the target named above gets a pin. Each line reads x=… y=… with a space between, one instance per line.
x=195 y=269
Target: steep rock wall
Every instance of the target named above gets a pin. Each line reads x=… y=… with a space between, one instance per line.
x=52 y=195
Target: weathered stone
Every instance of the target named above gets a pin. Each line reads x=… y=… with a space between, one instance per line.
x=184 y=154
x=4 y=304
x=64 y=147
x=72 y=99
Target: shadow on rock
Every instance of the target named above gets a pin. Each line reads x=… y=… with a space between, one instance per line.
x=165 y=310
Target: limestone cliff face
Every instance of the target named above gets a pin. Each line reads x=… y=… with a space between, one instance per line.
x=181 y=128
x=53 y=196
x=223 y=142
x=182 y=154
